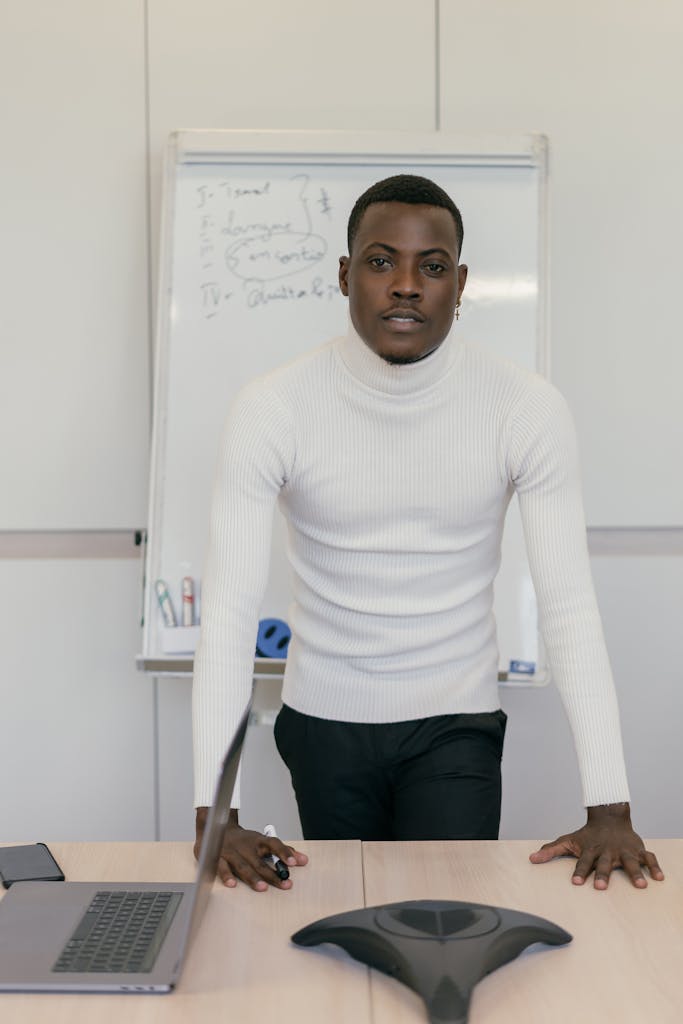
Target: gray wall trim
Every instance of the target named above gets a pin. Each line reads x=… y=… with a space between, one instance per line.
x=602 y=541
x=71 y=544
x=635 y=542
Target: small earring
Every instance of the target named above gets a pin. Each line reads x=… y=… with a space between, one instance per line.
x=457 y=310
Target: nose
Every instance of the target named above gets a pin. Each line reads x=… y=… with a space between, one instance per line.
x=406 y=283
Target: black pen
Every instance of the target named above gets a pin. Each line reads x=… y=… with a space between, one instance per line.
x=281 y=868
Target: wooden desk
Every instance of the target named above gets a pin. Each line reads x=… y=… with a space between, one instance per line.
x=242 y=968
x=625 y=963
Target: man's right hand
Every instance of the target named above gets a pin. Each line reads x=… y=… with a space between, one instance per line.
x=243 y=855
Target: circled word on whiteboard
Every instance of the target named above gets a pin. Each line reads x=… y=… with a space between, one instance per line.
x=279 y=255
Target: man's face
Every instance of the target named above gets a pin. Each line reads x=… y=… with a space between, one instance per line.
x=402 y=279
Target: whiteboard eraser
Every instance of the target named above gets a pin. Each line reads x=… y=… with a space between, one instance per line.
x=179 y=639
x=523 y=668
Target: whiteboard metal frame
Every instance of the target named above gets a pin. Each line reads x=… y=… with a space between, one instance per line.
x=317 y=147
x=338 y=147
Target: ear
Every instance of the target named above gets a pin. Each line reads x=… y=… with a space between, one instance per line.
x=462 y=278
x=344 y=275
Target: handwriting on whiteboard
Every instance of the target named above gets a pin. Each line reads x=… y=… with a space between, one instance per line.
x=263 y=243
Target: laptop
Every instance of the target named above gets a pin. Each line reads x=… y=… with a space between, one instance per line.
x=72 y=936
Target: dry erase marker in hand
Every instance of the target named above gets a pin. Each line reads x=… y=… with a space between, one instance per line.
x=188 y=601
x=281 y=868
x=165 y=603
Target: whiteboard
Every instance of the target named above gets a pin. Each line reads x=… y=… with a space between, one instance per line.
x=253 y=227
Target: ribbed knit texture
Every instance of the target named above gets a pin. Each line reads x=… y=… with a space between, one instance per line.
x=395 y=481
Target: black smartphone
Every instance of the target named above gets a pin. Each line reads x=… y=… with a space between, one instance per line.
x=32 y=863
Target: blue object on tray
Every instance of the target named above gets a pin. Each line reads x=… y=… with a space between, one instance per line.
x=272 y=639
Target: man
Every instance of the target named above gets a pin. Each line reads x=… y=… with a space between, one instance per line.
x=394 y=452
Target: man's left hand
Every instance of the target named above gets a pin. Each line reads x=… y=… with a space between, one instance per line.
x=605 y=842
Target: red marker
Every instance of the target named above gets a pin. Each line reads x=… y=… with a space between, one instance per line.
x=188 y=601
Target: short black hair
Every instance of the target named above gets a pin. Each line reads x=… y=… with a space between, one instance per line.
x=404 y=188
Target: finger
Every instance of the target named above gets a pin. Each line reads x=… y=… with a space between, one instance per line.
x=280 y=854
x=292 y=857
x=274 y=879
x=584 y=866
x=631 y=865
x=225 y=874
x=255 y=876
x=558 y=848
x=260 y=872
x=295 y=858
x=652 y=865
x=603 y=870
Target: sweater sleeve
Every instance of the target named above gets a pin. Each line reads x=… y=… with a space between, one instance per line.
x=253 y=464
x=543 y=467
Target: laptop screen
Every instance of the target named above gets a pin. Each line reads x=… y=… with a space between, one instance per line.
x=212 y=839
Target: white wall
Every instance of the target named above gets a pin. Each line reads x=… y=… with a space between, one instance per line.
x=77 y=755
x=74 y=403
x=603 y=79
x=89 y=95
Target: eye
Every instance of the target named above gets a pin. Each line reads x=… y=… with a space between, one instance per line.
x=379 y=262
x=434 y=268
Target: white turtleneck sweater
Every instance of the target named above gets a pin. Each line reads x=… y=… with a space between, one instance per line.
x=395 y=480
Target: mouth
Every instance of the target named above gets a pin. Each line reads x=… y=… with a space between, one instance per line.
x=403 y=319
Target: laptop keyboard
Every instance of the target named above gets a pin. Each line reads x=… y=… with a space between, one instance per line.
x=120 y=932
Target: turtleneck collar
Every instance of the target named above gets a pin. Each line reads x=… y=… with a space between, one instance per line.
x=392 y=378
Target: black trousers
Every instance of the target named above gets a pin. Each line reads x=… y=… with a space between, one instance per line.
x=432 y=778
